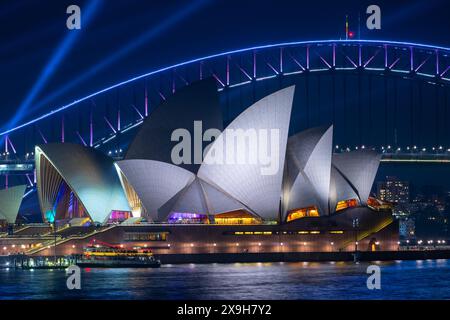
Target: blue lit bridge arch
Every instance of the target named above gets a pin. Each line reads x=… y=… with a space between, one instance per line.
x=393 y=96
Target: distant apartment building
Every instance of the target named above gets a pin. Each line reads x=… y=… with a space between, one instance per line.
x=393 y=190
x=407 y=228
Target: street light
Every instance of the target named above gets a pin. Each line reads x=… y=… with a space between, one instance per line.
x=355 y=223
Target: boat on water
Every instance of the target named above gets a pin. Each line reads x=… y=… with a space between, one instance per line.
x=109 y=256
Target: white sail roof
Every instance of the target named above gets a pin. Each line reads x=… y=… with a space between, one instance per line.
x=155 y=182
x=340 y=189
x=359 y=169
x=10 y=200
x=247 y=181
x=89 y=173
x=309 y=169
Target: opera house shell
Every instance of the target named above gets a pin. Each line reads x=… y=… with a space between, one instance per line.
x=189 y=187
x=74 y=181
x=309 y=180
x=10 y=200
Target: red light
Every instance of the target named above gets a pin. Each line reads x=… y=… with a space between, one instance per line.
x=351 y=34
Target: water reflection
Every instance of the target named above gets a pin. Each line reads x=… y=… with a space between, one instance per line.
x=328 y=280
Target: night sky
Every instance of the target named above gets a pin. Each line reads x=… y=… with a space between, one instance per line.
x=126 y=38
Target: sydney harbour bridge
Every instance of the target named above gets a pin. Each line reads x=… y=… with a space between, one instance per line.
x=385 y=95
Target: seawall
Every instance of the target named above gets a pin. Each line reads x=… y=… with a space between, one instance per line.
x=302 y=256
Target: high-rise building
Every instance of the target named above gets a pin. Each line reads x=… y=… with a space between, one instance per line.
x=393 y=190
x=407 y=228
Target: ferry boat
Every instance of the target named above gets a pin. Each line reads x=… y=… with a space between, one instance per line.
x=109 y=256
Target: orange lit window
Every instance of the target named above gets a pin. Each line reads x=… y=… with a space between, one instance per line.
x=341 y=205
x=236 y=217
x=378 y=204
x=303 y=212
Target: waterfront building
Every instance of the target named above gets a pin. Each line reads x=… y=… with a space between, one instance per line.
x=305 y=199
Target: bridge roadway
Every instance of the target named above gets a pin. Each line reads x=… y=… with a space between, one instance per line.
x=27 y=166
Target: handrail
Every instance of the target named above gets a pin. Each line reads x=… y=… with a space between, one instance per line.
x=64 y=240
x=367 y=233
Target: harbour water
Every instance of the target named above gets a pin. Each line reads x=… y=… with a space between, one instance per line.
x=420 y=279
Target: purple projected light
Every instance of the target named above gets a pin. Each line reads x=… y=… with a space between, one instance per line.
x=180 y=216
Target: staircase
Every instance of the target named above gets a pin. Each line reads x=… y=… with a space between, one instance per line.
x=362 y=235
x=59 y=240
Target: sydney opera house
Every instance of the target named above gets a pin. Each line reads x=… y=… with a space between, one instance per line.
x=188 y=184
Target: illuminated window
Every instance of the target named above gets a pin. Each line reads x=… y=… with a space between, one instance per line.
x=119 y=216
x=372 y=202
x=302 y=213
x=60 y=203
x=187 y=218
x=145 y=236
x=247 y=233
x=236 y=217
x=341 y=205
x=336 y=232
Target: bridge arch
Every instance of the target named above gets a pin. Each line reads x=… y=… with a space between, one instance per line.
x=403 y=73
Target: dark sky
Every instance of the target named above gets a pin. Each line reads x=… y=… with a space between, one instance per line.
x=126 y=38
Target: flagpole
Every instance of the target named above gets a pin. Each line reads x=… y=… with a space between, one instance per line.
x=346 y=27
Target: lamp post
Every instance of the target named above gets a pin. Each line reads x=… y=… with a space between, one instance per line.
x=51 y=218
x=355 y=228
x=54 y=233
